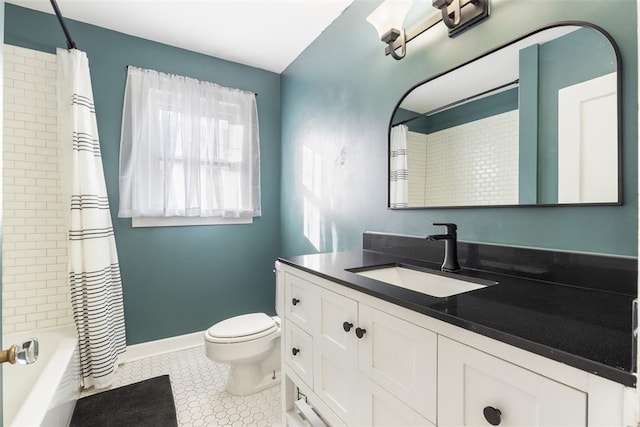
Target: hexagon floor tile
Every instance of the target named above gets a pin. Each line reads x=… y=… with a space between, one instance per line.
x=199 y=392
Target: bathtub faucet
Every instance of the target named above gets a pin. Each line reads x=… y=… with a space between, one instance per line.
x=450 y=262
x=25 y=353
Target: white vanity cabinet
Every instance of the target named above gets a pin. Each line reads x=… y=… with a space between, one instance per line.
x=373 y=363
x=479 y=389
x=333 y=373
x=362 y=357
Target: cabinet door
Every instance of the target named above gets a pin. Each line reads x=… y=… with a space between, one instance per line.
x=301 y=303
x=401 y=357
x=471 y=382
x=336 y=357
x=377 y=407
x=298 y=352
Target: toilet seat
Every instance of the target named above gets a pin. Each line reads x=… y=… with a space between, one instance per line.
x=242 y=328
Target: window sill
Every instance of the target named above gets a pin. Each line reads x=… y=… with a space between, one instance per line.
x=186 y=221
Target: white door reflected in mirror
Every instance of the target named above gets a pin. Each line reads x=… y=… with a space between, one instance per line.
x=588 y=141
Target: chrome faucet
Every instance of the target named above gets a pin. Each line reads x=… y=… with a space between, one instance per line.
x=450 y=262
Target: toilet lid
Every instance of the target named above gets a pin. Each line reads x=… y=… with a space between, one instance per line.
x=242 y=326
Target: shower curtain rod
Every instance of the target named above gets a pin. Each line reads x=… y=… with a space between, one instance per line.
x=70 y=43
x=461 y=101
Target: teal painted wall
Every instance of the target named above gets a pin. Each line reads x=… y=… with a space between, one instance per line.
x=176 y=280
x=528 y=125
x=338 y=97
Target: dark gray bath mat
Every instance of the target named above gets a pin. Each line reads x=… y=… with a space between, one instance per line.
x=147 y=403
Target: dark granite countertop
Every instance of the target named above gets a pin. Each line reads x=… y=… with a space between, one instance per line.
x=584 y=328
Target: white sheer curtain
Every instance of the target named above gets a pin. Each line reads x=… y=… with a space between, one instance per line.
x=398 y=173
x=94 y=272
x=188 y=149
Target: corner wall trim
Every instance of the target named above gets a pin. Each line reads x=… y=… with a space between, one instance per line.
x=165 y=345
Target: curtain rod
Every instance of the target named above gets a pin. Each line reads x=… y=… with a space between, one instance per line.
x=70 y=43
x=126 y=67
x=461 y=101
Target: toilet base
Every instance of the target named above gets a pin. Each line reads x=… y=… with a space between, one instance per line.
x=252 y=377
x=246 y=379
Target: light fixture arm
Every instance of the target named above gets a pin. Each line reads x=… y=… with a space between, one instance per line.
x=412 y=34
x=390 y=38
x=447 y=11
x=403 y=50
x=465 y=13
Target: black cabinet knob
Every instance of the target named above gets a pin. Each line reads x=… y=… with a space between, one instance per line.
x=295 y=301
x=492 y=415
x=295 y=351
x=360 y=332
x=347 y=326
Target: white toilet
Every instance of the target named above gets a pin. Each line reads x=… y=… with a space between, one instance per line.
x=250 y=344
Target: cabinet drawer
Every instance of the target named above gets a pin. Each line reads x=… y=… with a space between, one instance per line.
x=473 y=386
x=377 y=408
x=401 y=357
x=301 y=302
x=298 y=352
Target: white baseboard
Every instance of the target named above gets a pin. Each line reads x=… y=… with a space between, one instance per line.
x=165 y=345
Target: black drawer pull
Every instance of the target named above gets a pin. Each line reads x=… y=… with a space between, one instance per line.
x=347 y=326
x=295 y=351
x=360 y=332
x=492 y=415
x=295 y=301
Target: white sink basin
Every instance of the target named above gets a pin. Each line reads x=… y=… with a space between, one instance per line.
x=420 y=281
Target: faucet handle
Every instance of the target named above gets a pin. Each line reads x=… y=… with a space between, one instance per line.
x=24 y=354
x=27 y=352
x=451 y=227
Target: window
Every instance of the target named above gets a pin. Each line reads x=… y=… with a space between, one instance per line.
x=189 y=152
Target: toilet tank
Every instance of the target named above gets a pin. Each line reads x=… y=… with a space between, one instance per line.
x=279 y=290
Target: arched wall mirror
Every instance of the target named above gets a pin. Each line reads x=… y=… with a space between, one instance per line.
x=533 y=122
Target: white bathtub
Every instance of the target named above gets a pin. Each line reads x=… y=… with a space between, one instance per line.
x=45 y=392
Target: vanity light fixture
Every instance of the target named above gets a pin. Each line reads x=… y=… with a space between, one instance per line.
x=457 y=15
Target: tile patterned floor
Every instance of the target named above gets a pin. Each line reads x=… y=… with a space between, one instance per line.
x=198 y=389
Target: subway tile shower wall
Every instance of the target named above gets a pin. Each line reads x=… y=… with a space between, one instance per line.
x=34 y=250
x=443 y=160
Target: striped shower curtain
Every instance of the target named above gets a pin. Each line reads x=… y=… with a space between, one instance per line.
x=398 y=172
x=94 y=273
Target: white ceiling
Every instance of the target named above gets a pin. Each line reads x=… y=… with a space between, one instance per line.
x=267 y=34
